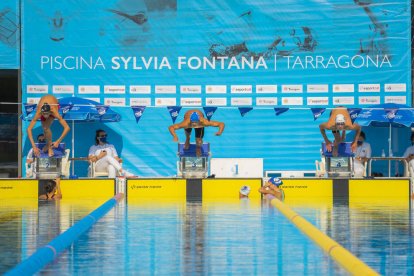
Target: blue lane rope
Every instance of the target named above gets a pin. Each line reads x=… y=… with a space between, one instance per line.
x=49 y=252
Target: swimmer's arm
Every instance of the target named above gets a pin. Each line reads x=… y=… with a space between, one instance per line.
x=220 y=125
x=30 y=128
x=357 y=128
x=64 y=124
x=322 y=128
x=172 y=129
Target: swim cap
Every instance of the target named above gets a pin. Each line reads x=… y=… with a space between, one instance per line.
x=275 y=181
x=45 y=108
x=245 y=190
x=340 y=118
x=194 y=117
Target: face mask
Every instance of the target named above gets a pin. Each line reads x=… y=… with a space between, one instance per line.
x=102 y=139
x=360 y=143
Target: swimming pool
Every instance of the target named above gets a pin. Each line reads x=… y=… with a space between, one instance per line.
x=228 y=237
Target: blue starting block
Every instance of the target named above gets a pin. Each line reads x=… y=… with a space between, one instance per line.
x=339 y=165
x=46 y=167
x=190 y=165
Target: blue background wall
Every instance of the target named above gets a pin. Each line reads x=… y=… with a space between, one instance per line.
x=272 y=29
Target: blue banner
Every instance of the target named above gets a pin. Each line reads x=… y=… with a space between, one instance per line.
x=65 y=108
x=280 y=110
x=317 y=112
x=353 y=113
x=9 y=34
x=174 y=111
x=138 y=112
x=29 y=108
x=209 y=111
x=245 y=110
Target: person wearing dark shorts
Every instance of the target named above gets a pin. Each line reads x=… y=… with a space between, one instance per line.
x=194 y=119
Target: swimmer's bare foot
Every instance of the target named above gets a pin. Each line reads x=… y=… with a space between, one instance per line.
x=198 y=151
x=50 y=152
x=335 y=151
x=186 y=145
x=46 y=148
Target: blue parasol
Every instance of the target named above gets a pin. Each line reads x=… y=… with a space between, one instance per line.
x=387 y=115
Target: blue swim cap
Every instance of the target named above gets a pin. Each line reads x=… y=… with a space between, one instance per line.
x=275 y=181
x=194 y=117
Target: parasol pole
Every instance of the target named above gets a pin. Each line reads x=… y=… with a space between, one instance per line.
x=389 y=152
x=73 y=147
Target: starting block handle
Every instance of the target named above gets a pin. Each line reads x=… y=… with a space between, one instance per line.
x=59 y=152
x=191 y=151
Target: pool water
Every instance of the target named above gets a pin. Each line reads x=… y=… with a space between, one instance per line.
x=232 y=237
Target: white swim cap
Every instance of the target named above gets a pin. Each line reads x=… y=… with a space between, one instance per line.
x=340 y=118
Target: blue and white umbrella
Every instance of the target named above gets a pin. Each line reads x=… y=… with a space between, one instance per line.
x=387 y=115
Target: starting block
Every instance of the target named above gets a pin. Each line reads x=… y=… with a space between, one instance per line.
x=46 y=167
x=340 y=165
x=190 y=165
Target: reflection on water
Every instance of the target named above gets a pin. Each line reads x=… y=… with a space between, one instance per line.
x=234 y=237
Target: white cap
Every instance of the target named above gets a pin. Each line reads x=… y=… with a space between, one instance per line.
x=245 y=190
x=340 y=118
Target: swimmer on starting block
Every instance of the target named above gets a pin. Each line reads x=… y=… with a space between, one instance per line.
x=47 y=110
x=195 y=119
x=339 y=121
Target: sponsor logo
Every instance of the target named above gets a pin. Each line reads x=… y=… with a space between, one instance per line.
x=343 y=88
x=297 y=88
x=317 y=88
x=395 y=87
x=369 y=100
x=89 y=89
x=62 y=89
x=216 y=101
x=165 y=101
x=241 y=89
x=292 y=101
x=140 y=101
x=216 y=89
x=241 y=101
x=115 y=101
x=190 y=89
x=140 y=89
x=33 y=100
x=165 y=89
x=190 y=101
x=317 y=100
x=262 y=89
x=396 y=99
x=114 y=89
x=37 y=89
x=266 y=101
x=138 y=113
x=343 y=100
x=369 y=87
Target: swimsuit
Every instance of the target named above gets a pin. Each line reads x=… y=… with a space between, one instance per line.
x=199 y=132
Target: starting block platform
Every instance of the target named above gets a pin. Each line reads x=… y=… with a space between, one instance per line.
x=46 y=167
x=191 y=165
x=340 y=164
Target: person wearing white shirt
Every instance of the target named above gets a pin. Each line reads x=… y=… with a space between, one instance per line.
x=409 y=154
x=362 y=154
x=106 y=156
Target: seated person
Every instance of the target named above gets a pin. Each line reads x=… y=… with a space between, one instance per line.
x=30 y=156
x=409 y=154
x=244 y=192
x=106 y=156
x=271 y=189
x=362 y=154
x=339 y=120
x=52 y=190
